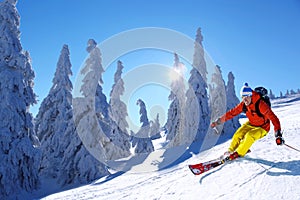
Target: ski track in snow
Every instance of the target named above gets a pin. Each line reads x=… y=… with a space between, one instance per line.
x=268 y=172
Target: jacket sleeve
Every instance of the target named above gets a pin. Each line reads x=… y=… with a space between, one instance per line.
x=233 y=112
x=269 y=114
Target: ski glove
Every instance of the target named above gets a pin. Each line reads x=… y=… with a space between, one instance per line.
x=279 y=140
x=216 y=123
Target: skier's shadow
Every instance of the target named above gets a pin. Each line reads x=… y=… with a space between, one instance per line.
x=288 y=168
x=211 y=172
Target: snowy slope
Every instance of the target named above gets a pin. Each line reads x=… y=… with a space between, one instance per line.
x=268 y=172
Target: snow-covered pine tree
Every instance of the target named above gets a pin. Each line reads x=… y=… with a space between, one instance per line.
x=92 y=71
x=217 y=95
x=53 y=116
x=281 y=95
x=92 y=82
x=155 y=128
x=232 y=100
x=198 y=59
x=92 y=104
x=141 y=141
x=91 y=112
x=30 y=96
x=118 y=110
x=287 y=93
x=271 y=95
x=19 y=159
x=77 y=164
x=175 y=121
x=118 y=113
x=63 y=155
x=197 y=114
x=292 y=92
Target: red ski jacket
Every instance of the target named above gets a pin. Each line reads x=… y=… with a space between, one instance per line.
x=251 y=113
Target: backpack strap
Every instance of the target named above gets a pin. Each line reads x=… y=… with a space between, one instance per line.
x=258 y=111
x=244 y=108
x=257 y=108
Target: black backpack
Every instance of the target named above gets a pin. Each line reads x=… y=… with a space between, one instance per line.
x=263 y=93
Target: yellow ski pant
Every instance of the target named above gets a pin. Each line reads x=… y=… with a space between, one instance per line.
x=244 y=137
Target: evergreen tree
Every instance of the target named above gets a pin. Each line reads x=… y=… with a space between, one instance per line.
x=217 y=95
x=141 y=141
x=281 y=95
x=93 y=71
x=118 y=113
x=197 y=110
x=155 y=128
x=287 y=93
x=91 y=108
x=271 y=95
x=175 y=121
x=198 y=59
x=292 y=92
x=232 y=100
x=77 y=164
x=118 y=110
x=93 y=103
x=53 y=116
x=94 y=124
x=64 y=156
x=19 y=159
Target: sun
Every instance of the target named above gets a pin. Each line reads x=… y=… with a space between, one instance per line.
x=177 y=72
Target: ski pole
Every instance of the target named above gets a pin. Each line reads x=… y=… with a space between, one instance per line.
x=215 y=128
x=291 y=147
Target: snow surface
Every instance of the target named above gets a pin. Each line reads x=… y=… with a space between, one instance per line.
x=268 y=172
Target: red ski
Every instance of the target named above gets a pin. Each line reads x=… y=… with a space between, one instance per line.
x=206 y=166
x=200 y=168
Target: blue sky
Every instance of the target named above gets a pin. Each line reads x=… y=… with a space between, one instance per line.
x=257 y=40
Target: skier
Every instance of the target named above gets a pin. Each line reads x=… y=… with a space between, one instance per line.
x=257 y=126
